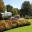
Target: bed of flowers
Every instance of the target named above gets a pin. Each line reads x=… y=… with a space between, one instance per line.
x=10 y=24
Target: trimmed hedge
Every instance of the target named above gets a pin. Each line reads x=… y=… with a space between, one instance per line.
x=10 y=24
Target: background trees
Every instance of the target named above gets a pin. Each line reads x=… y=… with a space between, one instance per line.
x=18 y=10
x=25 y=8
x=9 y=8
x=12 y=10
x=15 y=12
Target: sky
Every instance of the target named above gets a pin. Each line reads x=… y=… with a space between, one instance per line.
x=15 y=3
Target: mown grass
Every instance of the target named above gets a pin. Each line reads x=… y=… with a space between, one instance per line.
x=22 y=29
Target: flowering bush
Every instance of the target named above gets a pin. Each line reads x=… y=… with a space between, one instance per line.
x=8 y=24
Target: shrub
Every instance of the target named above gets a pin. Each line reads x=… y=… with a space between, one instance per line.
x=20 y=23
x=5 y=18
x=23 y=22
x=14 y=24
x=26 y=22
x=1 y=16
x=1 y=28
x=27 y=17
x=8 y=24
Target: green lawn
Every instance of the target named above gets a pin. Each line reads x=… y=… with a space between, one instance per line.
x=22 y=29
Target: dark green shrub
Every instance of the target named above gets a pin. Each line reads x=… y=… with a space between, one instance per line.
x=6 y=18
x=1 y=16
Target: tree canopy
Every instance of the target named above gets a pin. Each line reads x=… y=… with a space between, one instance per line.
x=12 y=10
x=2 y=6
x=26 y=8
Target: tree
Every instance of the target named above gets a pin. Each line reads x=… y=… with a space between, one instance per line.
x=15 y=12
x=18 y=10
x=11 y=9
x=25 y=9
x=31 y=10
x=2 y=6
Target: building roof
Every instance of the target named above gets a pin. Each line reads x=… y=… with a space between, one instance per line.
x=7 y=13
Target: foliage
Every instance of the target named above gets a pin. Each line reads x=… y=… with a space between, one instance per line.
x=15 y=12
x=22 y=29
x=9 y=8
x=12 y=10
x=2 y=6
x=8 y=24
x=0 y=16
x=25 y=9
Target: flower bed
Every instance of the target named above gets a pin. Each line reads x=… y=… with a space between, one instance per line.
x=9 y=24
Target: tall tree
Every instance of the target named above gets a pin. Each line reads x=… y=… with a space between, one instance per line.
x=2 y=6
x=25 y=9
x=18 y=10
x=9 y=8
